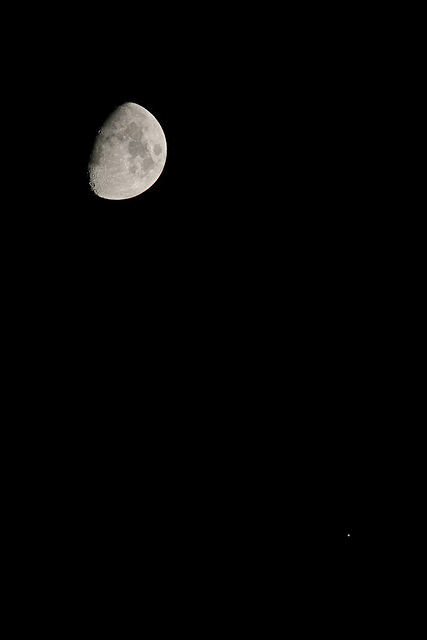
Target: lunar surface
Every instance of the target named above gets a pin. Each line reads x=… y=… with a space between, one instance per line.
x=128 y=154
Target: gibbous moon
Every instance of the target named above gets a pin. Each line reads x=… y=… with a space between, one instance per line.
x=128 y=154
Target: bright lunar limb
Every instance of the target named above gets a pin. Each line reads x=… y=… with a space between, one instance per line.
x=128 y=154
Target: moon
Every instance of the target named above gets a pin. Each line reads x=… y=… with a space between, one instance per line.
x=128 y=154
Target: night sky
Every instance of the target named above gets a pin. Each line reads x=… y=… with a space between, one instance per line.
x=201 y=387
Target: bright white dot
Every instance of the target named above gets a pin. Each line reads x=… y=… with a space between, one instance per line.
x=348 y=535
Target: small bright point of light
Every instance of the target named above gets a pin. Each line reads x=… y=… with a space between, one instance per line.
x=348 y=535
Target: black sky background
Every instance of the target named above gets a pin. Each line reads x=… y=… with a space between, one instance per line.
x=199 y=372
